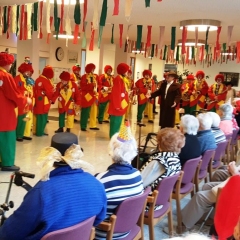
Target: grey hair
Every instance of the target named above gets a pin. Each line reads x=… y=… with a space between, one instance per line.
x=122 y=152
x=189 y=124
x=215 y=119
x=227 y=111
x=205 y=121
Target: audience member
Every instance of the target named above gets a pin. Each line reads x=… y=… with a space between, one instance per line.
x=166 y=162
x=217 y=132
x=121 y=180
x=225 y=112
x=65 y=196
x=189 y=126
x=205 y=135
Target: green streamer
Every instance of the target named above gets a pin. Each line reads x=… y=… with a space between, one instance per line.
x=206 y=48
x=84 y=40
x=139 y=37
x=193 y=52
x=112 y=39
x=206 y=41
x=147 y=3
x=55 y=16
x=35 y=14
x=17 y=19
x=224 y=47
x=58 y=25
x=100 y=35
x=177 y=54
x=77 y=13
x=173 y=38
x=32 y=23
x=5 y=24
x=103 y=13
x=165 y=52
x=152 y=50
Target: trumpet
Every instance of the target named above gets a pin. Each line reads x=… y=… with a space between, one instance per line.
x=132 y=98
x=185 y=96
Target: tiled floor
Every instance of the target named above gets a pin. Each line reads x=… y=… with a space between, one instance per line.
x=94 y=144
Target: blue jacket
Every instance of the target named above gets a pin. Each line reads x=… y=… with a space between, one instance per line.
x=68 y=198
x=206 y=140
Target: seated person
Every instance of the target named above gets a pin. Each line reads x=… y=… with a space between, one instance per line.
x=189 y=126
x=121 y=180
x=202 y=201
x=226 y=112
x=66 y=195
x=205 y=135
x=166 y=162
x=217 y=132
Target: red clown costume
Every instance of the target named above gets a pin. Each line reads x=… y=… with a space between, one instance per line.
x=119 y=99
x=25 y=85
x=89 y=98
x=10 y=98
x=43 y=92
x=68 y=97
x=104 y=88
x=217 y=93
x=75 y=76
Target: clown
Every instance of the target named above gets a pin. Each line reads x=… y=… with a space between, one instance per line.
x=68 y=95
x=144 y=88
x=104 y=88
x=217 y=93
x=43 y=92
x=119 y=99
x=89 y=98
x=25 y=85
x=75 y=76
x=10 y=98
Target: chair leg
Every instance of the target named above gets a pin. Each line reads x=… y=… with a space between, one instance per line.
x=197 y=187
x=179 y=216
x=151 y=230
x=170 y=223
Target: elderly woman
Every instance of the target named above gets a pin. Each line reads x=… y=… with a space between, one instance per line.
x=189 y=126
x=166 y=162
x=205 y=135
x=121 y=180
x=217 y=132
x=225 y=112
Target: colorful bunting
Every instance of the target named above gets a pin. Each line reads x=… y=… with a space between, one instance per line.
x=120 y=32
x=128 y=9
x=95 y=14
x=21 y=22
x=161 y=36
x=230 y=29
x=196 y=36
x=17 y=20
x=139 y=37
x=147 y=3
x=149 y=33
x=103 y=13
x=165 y=52
x=116 y=8
x=62 y=16
x=100 y=36
x=112 y=38
x=29 y=23
x=48 y=6
x=152 y=50
x=217 y=41
x=55 y=16
x=173 y=38
x=184 y=38
x=84 y=13
x=91 y=45
x=77 y=20
x=1 y=20
x=84 y=40
x=8 y=20
x=49 y=34
x=206 y=40
x=40 y=34
x=35 y=16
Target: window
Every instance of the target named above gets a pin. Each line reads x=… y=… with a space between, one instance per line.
x=132 y=65
x=83 y=61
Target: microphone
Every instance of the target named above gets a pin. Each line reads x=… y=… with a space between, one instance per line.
x=24 y=174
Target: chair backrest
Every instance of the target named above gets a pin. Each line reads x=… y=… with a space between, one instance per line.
x=220 y=150
x=189 y=169
x=129 y=212
x=228 y=136
x=234 y=137
x=165 y=188
x=206 y=158
x=81 y=230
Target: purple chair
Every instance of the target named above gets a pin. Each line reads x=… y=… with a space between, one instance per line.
x=234 y=145
x=162 y=196
x=227 y=158
x=185 y=186
x=128 y=218
x=202 y=170
x=219 y=155
x=84 y=229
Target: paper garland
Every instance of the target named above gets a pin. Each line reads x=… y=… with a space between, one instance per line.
x=116 y=8
x=120 y=33
x=139 y=37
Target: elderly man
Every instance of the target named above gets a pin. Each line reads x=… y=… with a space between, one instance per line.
x=226 y=114
x=205 y=135
x=121 y=180
x=66 y=195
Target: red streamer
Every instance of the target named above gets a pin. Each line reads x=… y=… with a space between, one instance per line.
x=9 y=11
x=201 y=53
x=160 y=57
x=121 y=32
x=84 y=13
x=116 y=8
x=187 y=55
x=92 y=38
x=156 y=50
x=217 y=41
x=49 y=34
x=215 y=54
x=75 y=35
x=25 y=26
x=62 y=14
x=145 y=49
x=149 y=32
x=184 y=38
x=21 y=34
x=238 y=52
x=40 y=21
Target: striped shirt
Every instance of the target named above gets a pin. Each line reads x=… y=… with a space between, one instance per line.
x=218 y=134
x=120 y=181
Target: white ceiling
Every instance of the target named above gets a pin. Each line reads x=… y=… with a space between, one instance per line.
x=167 y=13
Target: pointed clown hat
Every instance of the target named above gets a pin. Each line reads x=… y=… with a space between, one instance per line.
x=125 y=133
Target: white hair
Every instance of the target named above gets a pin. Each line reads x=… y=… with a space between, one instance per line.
x=227 y=111
x=205 y=121
x=189 y=124
x=192 y=236
x=122 y=152
x=215 y=119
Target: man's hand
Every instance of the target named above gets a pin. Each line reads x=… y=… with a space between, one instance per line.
x=29 y=101
x=174 y=105
x=233 y=169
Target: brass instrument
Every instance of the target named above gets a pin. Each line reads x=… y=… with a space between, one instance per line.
x=185 y=97
x=132 y=97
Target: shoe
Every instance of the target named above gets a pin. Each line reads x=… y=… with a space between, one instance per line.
x=20 y=139
x=150 y=121
x=75 y=120
x=83 y=129
x=68 y=130
x=45 y=134
x=11 y=169
x=106 y=121
x=95 y=128
x=59 y=130
x=100 y=122
x=145 y=115
x=155 y=112
x=47 y=121
x=27 y=138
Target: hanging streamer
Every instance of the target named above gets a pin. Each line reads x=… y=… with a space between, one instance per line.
x=56 y=16
x=8 y=20
x=206 y=41
x=139 y=37
x=68 y=27
x=1 y=20
x=17 y=20
x=116 y=8
x=5 y=25
x=49 y=34
x=152 y=50
x=48 y=8
x=230 y=29
x=217 y=42
x=29 y=24
x=84 y=14
x=161 y=36
x=173 y=38
x=91 y=45
x=13 y=15
x=147 y=3
x=196 y=36
x=21 y=22
x=128 y=9
x=103 y=13
x=84 y=40
x=149 y=32
x=95 y=14
x=62 y=16
x=35 y=16
x=156 y=51
x=165 y=52
x=120 y=32
x=25 y=26
x=77 y=20
x=184 y=38
x=40 y=34
x=177 y=54
x=112 y=38
x=100 y=36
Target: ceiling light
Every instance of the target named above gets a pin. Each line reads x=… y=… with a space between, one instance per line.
x=66 y=2
x=202 y=24
x=191 y=42
x=137 y=51
x=64 y=35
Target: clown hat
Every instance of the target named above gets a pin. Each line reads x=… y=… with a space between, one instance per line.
x=25 y=67
x=129 y=71
x=200 y=73
x=147 y=72
x=76 y=68
x=125 y=133
x=190 y=77
x=107 y=67
x=122 y=68
x=6 y=59
x=65 y=76
x=48 y=72
x=89 y=67
x=221 y=76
